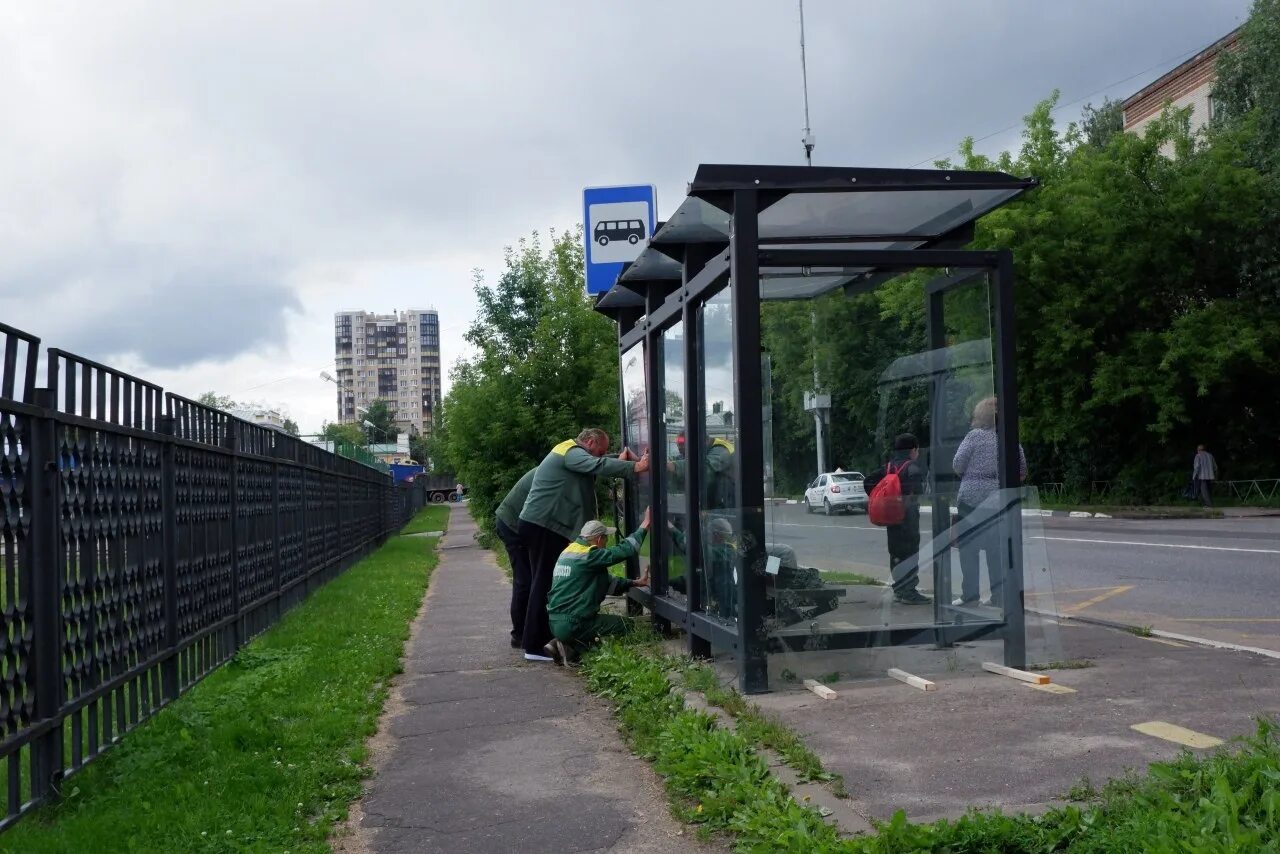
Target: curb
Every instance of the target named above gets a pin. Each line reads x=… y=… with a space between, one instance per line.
x=1157 y=633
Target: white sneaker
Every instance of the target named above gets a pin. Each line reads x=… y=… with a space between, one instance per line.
x=529 y=656
x=986 y=603
x=957 y=601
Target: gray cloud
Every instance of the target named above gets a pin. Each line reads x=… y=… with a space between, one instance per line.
x=235 y=162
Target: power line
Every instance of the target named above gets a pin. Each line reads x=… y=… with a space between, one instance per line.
x=1159 y=64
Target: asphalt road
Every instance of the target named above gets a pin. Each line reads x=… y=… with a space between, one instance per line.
x=1215 y=579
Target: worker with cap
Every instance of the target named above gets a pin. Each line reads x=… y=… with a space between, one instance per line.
x=581 y=581
x=562 y=498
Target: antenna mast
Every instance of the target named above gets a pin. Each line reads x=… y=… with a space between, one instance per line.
x=808 y=139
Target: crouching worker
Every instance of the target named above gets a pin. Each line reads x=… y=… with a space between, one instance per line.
x=579 y=584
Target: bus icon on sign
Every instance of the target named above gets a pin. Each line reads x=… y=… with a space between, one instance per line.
x=630 y=230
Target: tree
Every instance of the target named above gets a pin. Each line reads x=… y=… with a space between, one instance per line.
x=290 y=426
x=1099 y=124
x=217 y=401
x=351 y=434
x=546 y=366
x=383 y=418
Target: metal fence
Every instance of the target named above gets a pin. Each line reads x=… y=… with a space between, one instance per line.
x=144 y=538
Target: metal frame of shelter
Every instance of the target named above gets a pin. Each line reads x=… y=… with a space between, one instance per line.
x=784 y=232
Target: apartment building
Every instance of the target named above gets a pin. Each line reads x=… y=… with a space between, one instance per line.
x=395 y=357
x=1188 y=85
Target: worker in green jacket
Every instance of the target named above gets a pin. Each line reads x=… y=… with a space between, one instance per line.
x=582 y=580
x=506 y=524
x=562 y=498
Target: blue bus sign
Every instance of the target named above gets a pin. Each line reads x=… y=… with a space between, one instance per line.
x=618 y=223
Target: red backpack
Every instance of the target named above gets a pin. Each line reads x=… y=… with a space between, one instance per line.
x=884 y=505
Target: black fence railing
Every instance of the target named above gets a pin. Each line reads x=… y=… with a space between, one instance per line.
x=144 y=538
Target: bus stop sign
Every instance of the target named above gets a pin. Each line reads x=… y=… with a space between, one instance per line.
x=618 y=223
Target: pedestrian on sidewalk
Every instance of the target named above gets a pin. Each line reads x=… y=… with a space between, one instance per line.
x=507 y=526
x=1204 y=471
x=562 y=498
x=904 y=538
x=977 y=461
x=581 y=583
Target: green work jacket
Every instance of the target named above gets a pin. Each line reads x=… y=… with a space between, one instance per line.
x=509 y=510
x=581 y=579
x=562 y=497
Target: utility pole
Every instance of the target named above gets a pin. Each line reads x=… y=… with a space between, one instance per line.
x=808 y=138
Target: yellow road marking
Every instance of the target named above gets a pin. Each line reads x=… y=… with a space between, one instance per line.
x=1177 y=734
x=1072 y=590
x=1053 y=688
x=1101 y=597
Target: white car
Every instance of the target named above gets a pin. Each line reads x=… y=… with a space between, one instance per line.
x=836 y=491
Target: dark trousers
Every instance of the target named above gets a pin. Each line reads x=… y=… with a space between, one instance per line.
x=1204 y=491
x=972 y=541
x=521 y=579
x=904 y=556
x=544 y=549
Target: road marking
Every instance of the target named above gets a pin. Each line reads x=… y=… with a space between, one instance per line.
x=1226 y=619
x=1177 y=734
x=827 y=527
x=1160 y=545
x=1101 y=597
x=1072 y=590
x=1052 y=688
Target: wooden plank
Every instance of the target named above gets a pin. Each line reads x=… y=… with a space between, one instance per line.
x=913 y=681
x=821 y=690
x=1021 y=675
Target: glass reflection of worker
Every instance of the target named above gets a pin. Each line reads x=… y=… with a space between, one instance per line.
x=719 y=594
x=904 y=538
x=719 y=503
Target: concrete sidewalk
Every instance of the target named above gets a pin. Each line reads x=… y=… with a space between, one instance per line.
x=479 y=751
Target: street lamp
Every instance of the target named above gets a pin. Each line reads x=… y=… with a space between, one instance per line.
x=373 y=426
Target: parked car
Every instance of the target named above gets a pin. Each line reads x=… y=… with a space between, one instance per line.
x=839 y=491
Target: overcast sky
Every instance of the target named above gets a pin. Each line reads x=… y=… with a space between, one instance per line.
x=190 y=190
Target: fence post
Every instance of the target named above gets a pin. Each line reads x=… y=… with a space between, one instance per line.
x=46 y=596
x=167 y=426
x=231 y=441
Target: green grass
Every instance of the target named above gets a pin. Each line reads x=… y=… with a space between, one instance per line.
x=265 y=754
x=433 y=517
x=836 y=576
x=1140 y=631
x=1223 y=803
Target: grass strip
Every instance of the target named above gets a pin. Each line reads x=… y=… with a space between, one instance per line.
x=1225 y=802
x=265 y=754
x=433 y=517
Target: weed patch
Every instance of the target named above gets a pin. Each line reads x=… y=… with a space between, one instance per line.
x=433 y=517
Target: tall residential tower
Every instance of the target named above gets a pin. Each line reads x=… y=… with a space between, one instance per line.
x=395 y=357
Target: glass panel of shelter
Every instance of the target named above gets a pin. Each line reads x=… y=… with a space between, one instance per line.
x=909 y=373
x=673 y=439
x=635 y=435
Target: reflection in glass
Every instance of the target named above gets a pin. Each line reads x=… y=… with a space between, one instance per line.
x=673 y=436
x=720 y=517
x=635 y=402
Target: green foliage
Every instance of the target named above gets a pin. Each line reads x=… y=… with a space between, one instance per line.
x=383 y=418
x=546 y=366
x=217 y=401
x=290 y=426
x=1148 y=313
x=268 y=751
x=350 y=434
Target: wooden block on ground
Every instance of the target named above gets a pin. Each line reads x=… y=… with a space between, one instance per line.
x=913 y=681
x=1021 y=675
x=821 y=690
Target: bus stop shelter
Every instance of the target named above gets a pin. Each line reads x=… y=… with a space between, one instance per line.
x=734 y=561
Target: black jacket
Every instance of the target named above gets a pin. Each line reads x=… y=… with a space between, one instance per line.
x=904 y=539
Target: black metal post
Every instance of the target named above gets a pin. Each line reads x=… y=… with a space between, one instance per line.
x=1015 y=639
x=232 y=442
x=167 y=426
x=655 y=365
x=45 y=571
x=695 y=259
x=744 y=277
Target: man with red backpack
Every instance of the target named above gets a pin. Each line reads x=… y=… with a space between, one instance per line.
x=893 y=502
